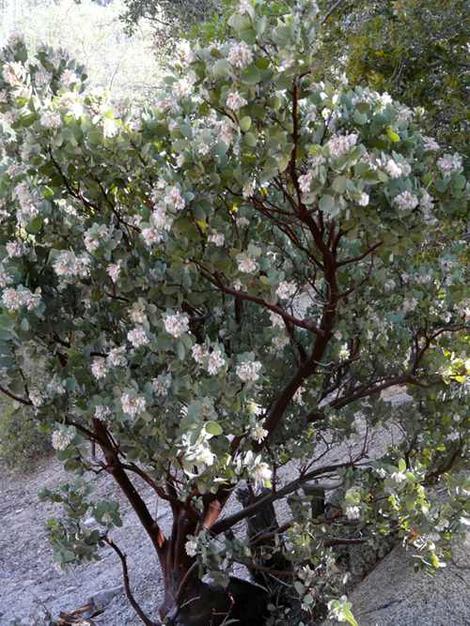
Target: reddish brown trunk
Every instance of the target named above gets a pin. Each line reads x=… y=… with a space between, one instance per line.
x=177 y=567
x=189 y=601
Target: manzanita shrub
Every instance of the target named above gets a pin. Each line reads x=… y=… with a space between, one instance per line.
x=225 y=283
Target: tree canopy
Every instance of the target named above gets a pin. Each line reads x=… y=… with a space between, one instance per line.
x=226 y=280
x=416 y=50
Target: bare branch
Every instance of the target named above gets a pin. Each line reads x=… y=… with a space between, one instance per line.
x=250 y=510
x=13 y=396
x=242 y=295
x=355 y=259
x=127 y=588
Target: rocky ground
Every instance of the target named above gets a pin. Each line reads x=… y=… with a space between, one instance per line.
x=392 y=594
x=29 y=579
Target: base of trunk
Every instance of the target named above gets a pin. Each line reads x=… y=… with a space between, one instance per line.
x=209 y=605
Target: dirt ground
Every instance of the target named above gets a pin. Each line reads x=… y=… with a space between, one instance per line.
x=29 y=579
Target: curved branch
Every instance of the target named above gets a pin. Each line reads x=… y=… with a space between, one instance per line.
x=13 y=396
x=127 y=588
x=242 y=295
x=355 y=259
x=115 y=468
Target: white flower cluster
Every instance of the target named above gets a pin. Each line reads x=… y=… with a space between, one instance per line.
x=161 y=385
x=61 y=439
x=72 y=104
x=339 y=610
x=96 y=236
x=110 y=126
x=50 y=119
x=303 y=301
x=197 y=452
x=398 y=477
x=286 y=289
x=240 y=55
x=28 y=204
x=176 y=324
x=69 y=77
x=450 y=164
x=245 y=6
x=212 y=360
x=258 y=433
x=427 y=201
x=261 y=474
x=430 y=144
x=68 y=265
x=174 y=199
x=298 y=396
x=42 y=78
x=114 y=270
x=15 y=299
x=249 y=189
x=117 y=357
x=248 y=371
x=36 y=398
x=305 y=182
x=397 y=170
x=363 y=199
x=137 y=313
x=340 y=145
x=218 y=239
x=352 y=512
x=14 y=74
x=279 y=342
x=191 y=546
x=235 y=101
x=246 y=264
x=184 y=52
x=99 y=368
x=344 y=352
x=102 y=412
x=160 y=222
x=241 y=222
x=258 y=471
x=406 y=201
x=15 y=249
x=133 y=404
x=183 y=87
x=276 y=320
x=138 y=337
x=426 y=204
x=225 y=131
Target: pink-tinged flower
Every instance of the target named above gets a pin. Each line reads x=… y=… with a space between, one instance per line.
x=240 y=55
x=235 y=101
x=176 y=324
x=248 y=371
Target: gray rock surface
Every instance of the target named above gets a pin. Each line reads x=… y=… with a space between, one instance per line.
x=394 y=595
x=102 y=599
